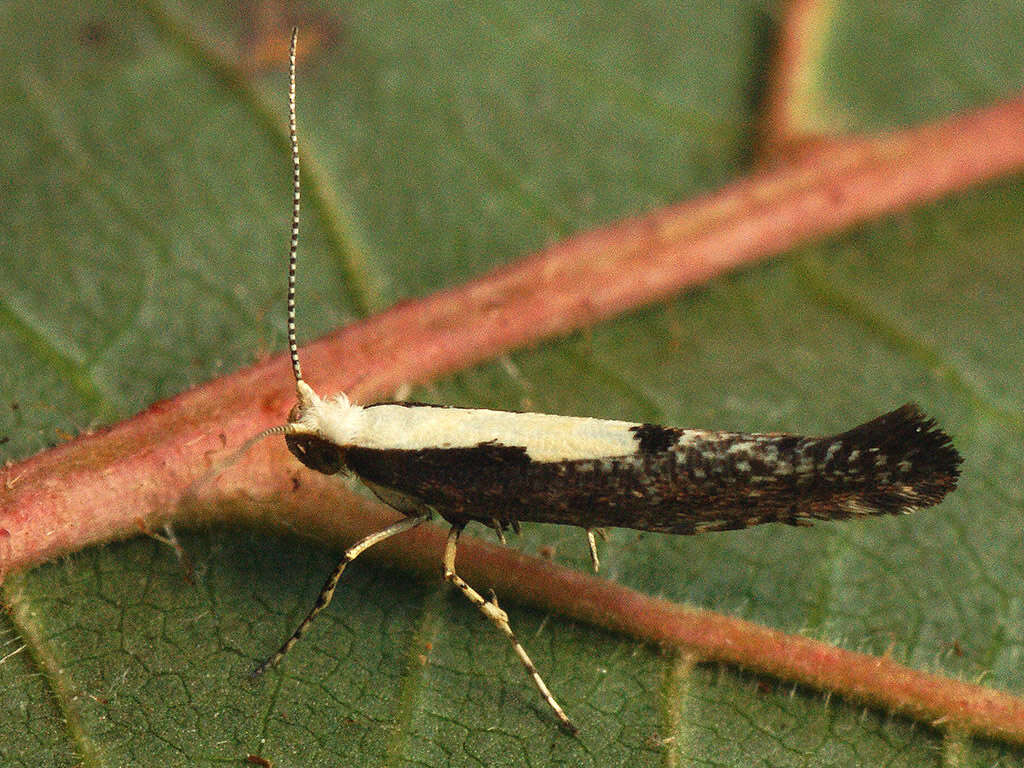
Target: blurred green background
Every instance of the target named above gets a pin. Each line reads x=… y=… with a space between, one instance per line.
x=145 y=199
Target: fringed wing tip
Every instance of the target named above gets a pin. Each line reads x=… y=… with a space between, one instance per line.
x=915 y=458
x=924 y=438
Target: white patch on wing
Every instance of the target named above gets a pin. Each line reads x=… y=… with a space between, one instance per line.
x=546 y=438
x=746 y=446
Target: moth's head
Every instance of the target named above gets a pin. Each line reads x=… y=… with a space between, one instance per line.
x=316 y=453
x=305 y=441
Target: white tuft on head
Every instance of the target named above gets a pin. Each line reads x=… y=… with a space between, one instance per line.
x=334 y=419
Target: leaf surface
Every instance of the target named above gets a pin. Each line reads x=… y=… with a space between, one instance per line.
x=145 y=204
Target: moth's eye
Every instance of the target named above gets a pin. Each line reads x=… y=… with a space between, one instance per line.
x=316 y=453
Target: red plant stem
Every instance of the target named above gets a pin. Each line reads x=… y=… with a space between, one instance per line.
x=789 y=92
x=98 y=486
x=878 y=681
x=102 y=486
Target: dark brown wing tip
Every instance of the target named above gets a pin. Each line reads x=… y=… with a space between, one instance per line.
x=920 y=460
x=921 y=437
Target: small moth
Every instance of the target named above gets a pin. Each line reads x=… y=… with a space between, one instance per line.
x=501 y=468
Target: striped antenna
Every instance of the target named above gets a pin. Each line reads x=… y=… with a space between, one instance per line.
x=293 y=250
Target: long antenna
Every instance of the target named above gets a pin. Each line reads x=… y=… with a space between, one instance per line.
x=293 y=250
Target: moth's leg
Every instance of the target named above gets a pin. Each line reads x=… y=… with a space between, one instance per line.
x=496 y=525
x=327 y=591
x=593 y=549
x=499 y=618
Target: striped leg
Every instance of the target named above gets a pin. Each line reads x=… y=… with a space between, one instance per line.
x=327 y=592
x=499 y=618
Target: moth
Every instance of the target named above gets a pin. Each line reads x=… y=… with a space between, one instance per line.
x=501 y=468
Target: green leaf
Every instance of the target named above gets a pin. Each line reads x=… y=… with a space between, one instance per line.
x=145 y=201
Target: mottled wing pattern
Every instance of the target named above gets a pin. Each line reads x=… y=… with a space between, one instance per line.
x=683 y=481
